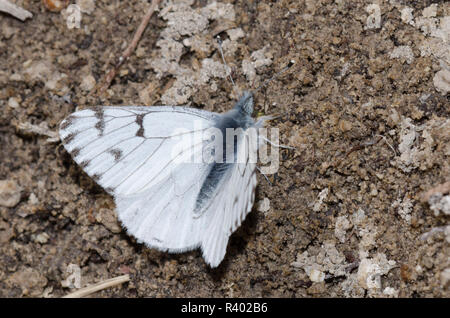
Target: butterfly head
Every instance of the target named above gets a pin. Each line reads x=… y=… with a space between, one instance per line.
x=245 y=103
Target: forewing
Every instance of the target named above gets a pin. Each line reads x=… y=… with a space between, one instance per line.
x=127 y=150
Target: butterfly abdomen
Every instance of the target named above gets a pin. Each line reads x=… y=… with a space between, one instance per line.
x=210 y=185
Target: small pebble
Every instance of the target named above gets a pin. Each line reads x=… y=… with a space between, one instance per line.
x=88 y=83
x=13 y=102
x=9 y=193
x=263 y=205
x=55 y=5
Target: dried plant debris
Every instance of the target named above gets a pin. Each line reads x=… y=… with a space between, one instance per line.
x=41 y=129
x=14 y=10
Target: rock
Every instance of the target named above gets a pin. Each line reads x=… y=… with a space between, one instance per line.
x=407 y=16
x=7 y=30
x=259 y=58
x=248 y=69
x=342 y=225
x=235 y=34
x=186 y=29
x=73 y=277
x=359 y=217
x=6 y=232
x=326 y=259
x=430 y=11
x=440 y=204
x=404 y=208
x=316 y=289
x=403 y=51
x=42 y=238
x=55 y=5
x=370 y=270
x=316 y=276
x=109 y=219
x=9 y=193
x=391 y=292
x=88 y=83
x=319 y=203
x=86 y=6
x=441 y=81
x=13 y=102
x=263 y=205
x=46 y=72
x=373 y=190
x=32 y=199
x=445 y=278
x=345 y=125
x=368 y=274
x=374 y=19
x=29 y=280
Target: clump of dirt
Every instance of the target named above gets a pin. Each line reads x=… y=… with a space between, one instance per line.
x=349 y=212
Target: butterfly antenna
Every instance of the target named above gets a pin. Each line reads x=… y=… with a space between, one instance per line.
x=219 y=42
x=284 y=69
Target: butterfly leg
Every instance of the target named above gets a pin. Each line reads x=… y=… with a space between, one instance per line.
x=274 y=144
x=265 y=176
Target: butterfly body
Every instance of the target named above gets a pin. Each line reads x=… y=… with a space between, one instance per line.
x=168 y=204
x=237 y=118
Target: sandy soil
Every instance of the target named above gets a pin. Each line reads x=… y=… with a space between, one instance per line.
x=366 y=106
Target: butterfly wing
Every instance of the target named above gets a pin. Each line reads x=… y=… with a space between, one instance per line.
x=126 y=150
x=228 y=208
x=134 y=153
x=162 y=216
x=129 y=151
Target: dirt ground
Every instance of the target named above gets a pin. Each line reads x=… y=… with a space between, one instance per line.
x=366 y=106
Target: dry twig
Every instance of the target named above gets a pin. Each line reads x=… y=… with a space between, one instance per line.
x=99 y=286
x=126 y=54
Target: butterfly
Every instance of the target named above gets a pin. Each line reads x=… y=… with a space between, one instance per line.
x=169 y=204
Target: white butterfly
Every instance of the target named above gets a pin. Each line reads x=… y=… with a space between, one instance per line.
x=171 y=205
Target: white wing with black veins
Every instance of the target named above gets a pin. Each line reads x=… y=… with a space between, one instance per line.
x=128 y=149
x=132 y=153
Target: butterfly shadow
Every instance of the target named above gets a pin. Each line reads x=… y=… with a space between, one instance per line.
x=237 y=245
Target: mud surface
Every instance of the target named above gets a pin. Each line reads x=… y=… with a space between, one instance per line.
x=366 y=106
